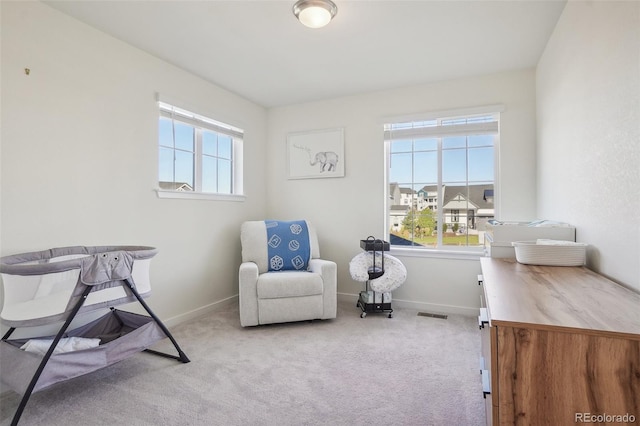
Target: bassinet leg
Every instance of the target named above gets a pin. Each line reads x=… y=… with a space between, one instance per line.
x=45 y=359
x=182 y=356
x=8 y=333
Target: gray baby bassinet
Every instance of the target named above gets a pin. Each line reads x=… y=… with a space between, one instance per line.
x=53 y=286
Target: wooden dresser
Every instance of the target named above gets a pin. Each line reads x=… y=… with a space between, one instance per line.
x=560 y=346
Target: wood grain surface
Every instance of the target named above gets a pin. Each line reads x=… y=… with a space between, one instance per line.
x=548 y=377
x=562 y=342
x=552 y=297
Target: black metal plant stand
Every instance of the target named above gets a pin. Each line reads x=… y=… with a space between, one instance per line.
x=376 y=270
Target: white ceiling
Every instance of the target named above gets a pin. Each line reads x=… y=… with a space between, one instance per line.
x=258 y=50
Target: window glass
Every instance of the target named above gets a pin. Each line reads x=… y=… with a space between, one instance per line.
x=166 y=132
x=425 y=166
x=196 y=153
x=209 y=143
x=224 y=147
x=430 y=144
x=480 y=140
x=401 y=169
x=224 y=176
x=481 y=165
x=166 y=165
x=402 y=146
x=441 y=181
x=184 y=168
x=209 y=174
x=454 y=142
x=184 y=136
x=454 y=165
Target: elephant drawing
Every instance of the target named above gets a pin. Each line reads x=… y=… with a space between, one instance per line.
x=327 y=160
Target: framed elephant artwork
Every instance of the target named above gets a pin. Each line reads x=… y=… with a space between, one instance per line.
x=316 y=154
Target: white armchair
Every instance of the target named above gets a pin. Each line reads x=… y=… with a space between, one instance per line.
x=288 y=295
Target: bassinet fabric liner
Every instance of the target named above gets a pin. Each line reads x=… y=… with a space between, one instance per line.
x=102 y=267
x=121 y=333
x=394 y=275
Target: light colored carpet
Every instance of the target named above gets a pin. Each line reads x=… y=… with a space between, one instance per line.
x=408 y=370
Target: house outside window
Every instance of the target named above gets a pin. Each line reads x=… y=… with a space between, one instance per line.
x=197 y=155
x=450 y=162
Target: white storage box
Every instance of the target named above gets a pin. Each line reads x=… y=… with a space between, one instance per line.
x=550 y=252
x=500 y=235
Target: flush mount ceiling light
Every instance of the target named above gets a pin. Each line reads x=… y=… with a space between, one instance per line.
x=315 y=13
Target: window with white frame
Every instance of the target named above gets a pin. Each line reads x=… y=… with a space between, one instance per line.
x=198 y=154
x=446 y=167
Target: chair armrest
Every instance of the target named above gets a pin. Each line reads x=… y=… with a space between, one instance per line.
x=323 y=267
x=329 y=272
x=248 y=293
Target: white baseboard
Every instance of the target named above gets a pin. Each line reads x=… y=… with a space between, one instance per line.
x=212 y=307
x=353 y=298
x=420 y=306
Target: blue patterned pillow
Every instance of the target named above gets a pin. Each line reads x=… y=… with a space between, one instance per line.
x=288 y=245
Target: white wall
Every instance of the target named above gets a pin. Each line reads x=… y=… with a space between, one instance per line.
x=78 y=145
x=79 y=156
x=348 y=209
x=588 y=97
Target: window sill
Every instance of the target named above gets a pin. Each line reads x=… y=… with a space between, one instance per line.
x=437 y=254
x=186 y=195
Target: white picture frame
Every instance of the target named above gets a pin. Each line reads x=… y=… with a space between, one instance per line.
x=317 y=154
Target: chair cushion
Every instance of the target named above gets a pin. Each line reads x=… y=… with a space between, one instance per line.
x=273 y=285
x=288 y=245
x=253 y=237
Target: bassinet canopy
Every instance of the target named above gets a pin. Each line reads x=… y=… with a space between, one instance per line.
x=41 y=287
